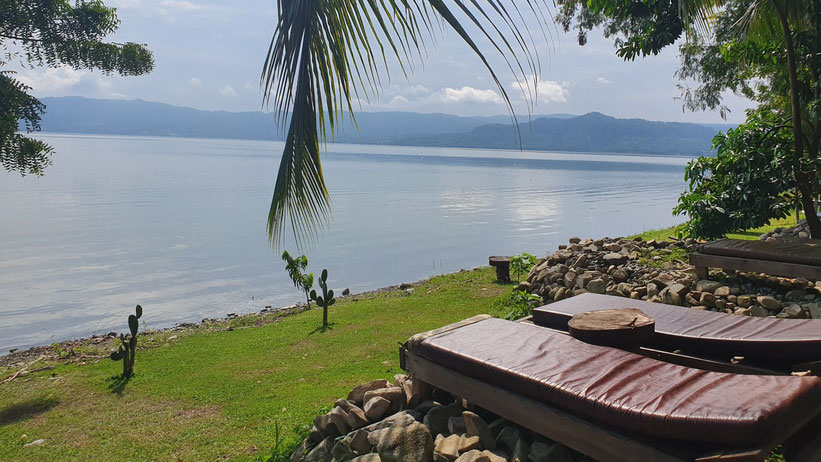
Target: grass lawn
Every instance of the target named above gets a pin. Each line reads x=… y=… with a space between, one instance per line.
x=220 y=395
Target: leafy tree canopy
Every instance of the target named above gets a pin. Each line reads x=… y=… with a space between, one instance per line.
x=53 y=33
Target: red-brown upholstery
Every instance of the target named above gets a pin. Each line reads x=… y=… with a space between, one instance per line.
x=624 y=390
x=802 y=253
x=790 y=341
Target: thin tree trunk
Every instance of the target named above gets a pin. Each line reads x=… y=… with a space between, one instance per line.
x=802 y=178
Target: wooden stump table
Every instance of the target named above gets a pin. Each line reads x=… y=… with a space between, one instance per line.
x=502 y=265
x=620 y=328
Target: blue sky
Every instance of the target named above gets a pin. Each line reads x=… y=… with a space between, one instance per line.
x=209 y=56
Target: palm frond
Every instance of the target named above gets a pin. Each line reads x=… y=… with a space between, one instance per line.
x=326 y=55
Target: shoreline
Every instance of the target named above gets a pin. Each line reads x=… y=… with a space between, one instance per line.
x=96 y=347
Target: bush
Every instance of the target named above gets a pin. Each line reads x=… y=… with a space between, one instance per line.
x=748 y=183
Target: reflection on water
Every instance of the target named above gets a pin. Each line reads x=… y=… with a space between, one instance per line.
x=178 y=225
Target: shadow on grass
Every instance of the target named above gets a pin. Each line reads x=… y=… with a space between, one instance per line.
x=117 y=383
x=322 y=329
x=22 y=411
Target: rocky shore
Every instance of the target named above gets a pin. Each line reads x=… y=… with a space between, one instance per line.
x=388 y=421
x=657 y=271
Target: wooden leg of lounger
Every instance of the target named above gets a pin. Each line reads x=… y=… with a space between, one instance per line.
x=422 y=389
x=702 y=272
x=805 y=446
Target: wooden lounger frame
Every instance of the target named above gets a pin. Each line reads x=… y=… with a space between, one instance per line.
x=801 y=441
x=703 y=262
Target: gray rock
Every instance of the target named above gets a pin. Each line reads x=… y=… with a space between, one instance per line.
x=400 y=443
x=744 y=301
x=613 y=258
x=469 y=443
x=357 y=418
x=723 y=291
x=480 y=456
x=376 y=407
x=596 y=286
x=795 y=312
x=759 y=312
x=476 y=426
x=395 y=395
x=367 y=458
x=508 y=437
x=322 y=451
x=814 y=309
x=339 y=418
x=795 y=295
x=437 y=418
x=707 y=299
x=400 y=418
x=769 y=303
x=520 y=452
x=705 y=285
x=447 y=448
x=300 y=451
x=357 y=395
x=325 y=426
x=456 y=425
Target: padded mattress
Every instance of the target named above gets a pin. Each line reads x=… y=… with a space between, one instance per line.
x=790 y=341
x=624 y=390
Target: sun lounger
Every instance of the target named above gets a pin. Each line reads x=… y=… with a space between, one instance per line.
x=616 y=405
x=717 y=335
x=778 y=258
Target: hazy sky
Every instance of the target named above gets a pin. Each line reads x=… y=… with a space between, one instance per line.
x=209 y=56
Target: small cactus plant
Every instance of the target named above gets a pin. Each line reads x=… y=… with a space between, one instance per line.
x=326 y=299
x=128 y=348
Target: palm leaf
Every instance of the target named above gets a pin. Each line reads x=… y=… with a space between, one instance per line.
x=327 y=54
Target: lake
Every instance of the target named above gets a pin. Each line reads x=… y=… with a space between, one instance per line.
x=178 y=225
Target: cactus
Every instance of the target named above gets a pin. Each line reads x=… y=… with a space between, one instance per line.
x=128 y=349
x=326 y=299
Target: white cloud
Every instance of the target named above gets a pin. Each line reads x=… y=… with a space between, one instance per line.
x=546 y=91
x=195 y=82
x=469 y=94
x=65 y=81
x=603 y=81
x=228 y=90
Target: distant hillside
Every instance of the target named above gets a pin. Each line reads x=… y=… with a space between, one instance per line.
x=136 y=117
x=592 y=132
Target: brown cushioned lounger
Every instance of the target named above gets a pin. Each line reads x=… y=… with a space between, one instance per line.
x=789 y=341
x=503 y=366
x=781 y=258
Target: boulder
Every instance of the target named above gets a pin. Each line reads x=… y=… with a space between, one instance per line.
x=759 y=312
x=446 y=449
x=456 y=425
x=400 y=418
x=520 y=452
x=480 y=456
x=357 y=418
x=769 y=303
x=437 y=418
x=476 y=426
x=744 y=301
x=325 y=426
x=614 y=258
x=357 y=441
x=508 y=437
x=403 y=443
x=469 y=443
x=322 y=451
x=393 y=394
x=357 y=395
x=705 y=285
x=596 y=286
x=339 y=418
x=723 y=291
x=367 y=458
x=376 y=407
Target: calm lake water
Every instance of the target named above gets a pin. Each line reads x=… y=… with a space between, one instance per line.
x=178 y=225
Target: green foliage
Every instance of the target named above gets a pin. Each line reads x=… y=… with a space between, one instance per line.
x=295 y=268
x=128 y=348
x=517 y=305
x=325 y=55
x=53 y=33
x=326 y=299
x=747 y=183
x=521 y=264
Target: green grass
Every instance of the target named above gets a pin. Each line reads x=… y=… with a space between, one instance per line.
x=220 y=395
x=751 y=234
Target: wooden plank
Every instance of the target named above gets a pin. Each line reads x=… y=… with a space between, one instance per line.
x=775 y=268
x=585 y=437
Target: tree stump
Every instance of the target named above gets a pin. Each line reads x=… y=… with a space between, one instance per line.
x=621 y=327
x=502 y=265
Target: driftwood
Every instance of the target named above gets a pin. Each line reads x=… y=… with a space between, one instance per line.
x=621 y=327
